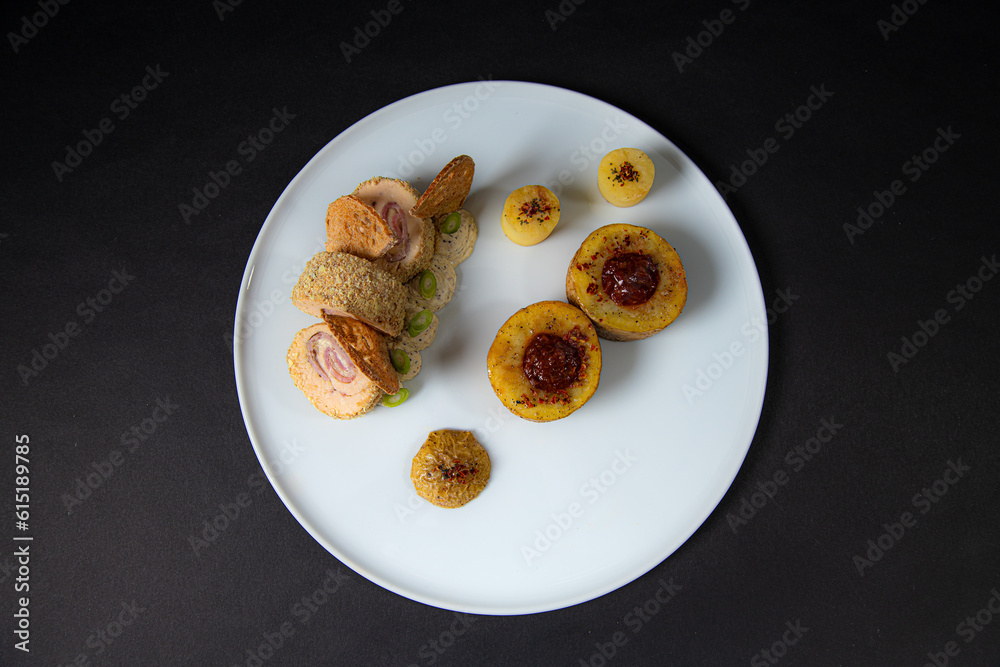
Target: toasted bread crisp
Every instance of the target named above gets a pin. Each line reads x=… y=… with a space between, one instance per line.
x=354 y=227
x=366 y=348
x=448 y=190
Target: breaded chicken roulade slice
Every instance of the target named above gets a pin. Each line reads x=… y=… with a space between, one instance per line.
x=336 y=283
x=354 y=227
x=342 y=366
x=415 y=238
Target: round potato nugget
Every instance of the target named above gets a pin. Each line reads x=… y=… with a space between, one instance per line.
x=530 y=214
x=625 y=176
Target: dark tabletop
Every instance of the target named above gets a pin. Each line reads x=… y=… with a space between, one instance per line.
x=856 y=144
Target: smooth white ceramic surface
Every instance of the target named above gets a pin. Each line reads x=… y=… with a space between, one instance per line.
x=575 y=508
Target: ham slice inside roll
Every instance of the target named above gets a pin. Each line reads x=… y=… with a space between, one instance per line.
x=323 y=370
x=414 y=238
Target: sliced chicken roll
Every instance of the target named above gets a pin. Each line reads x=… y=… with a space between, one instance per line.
x=336 y=283
x=354 y=227
x=415 y=237
x=322 y=369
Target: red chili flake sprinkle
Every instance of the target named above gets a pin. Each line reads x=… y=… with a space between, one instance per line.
x=534 y=206
x=458 y=471
x=625 y=172
x=592 y=288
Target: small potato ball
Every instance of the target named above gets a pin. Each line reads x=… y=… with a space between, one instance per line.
x=625 y=176
x=530 y=214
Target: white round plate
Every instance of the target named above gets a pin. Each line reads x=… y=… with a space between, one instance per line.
x=575 y=508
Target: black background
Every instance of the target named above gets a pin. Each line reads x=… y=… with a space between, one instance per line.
x=167 y=335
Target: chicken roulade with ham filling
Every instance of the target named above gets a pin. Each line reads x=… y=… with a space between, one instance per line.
x=342 y=366
x=415 y=237
x=336 y=283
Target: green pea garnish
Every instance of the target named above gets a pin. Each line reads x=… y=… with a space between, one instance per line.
x=392 y=400
x=400 y=361
x=427 y=283
x=451 y=224
x=419 y=322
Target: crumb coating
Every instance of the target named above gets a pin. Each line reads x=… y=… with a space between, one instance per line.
x=341 y=283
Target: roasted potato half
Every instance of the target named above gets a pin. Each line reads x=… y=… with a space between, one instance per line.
x=545 y=361
x=628 y=280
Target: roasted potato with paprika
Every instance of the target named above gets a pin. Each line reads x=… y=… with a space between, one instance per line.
x=628 y=280
x=545 y=361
